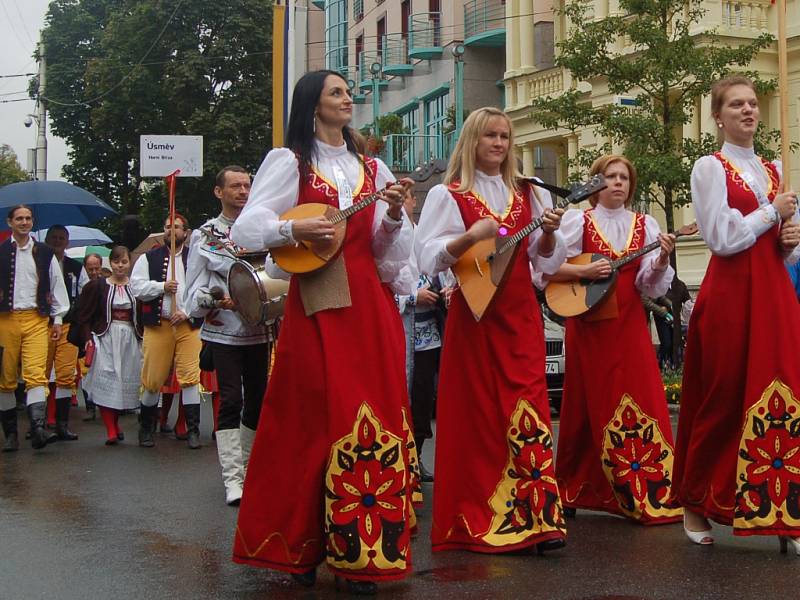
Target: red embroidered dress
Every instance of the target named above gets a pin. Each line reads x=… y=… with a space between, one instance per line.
x=737 y=459
x=615 y=440
x=495 y=488
x=328 y=477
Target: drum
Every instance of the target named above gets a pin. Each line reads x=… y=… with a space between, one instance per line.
x=258 y=298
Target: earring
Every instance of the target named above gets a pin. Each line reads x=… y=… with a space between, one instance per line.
x=315 y=123
x=719 y=125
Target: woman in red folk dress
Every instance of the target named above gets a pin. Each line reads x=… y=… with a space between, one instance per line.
x=737 y=458
x=495 y=488
x=328 y=478
x=615 y=448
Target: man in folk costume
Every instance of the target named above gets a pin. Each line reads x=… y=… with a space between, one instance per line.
x=240 y=351
x=169 y=335
x=32 y=292
x=61 y=354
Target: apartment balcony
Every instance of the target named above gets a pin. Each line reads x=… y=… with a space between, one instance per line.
x=403 y=152
x=485 y=23
x=351 y=75
x=364 y=78
x=548 y=82
x=320 y=4
x=425 y=36
x=395 y=55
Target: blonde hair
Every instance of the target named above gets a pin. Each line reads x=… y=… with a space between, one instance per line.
x=461 y=167
x=601 y=164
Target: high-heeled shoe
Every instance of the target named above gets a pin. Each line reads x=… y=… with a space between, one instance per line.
x=785 y=541
x=307 y=579
x=357 y=588
x=701 y=538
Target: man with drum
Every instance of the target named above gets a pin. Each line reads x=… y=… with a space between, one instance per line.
x=169 y=335
x=240 y=350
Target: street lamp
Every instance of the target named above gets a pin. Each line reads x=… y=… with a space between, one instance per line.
x=375 y=68
x=458 y=56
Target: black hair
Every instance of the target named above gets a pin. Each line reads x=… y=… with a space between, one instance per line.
x=300 y=131
x=54 y=229
x=220 y=179
x=118 y=252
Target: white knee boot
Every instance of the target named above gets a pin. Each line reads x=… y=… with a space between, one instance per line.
x=229 y=449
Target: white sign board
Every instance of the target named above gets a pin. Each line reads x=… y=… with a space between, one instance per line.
x=162 y=155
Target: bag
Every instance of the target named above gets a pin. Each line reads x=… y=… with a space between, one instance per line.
x=91 y=349
x=206 y=357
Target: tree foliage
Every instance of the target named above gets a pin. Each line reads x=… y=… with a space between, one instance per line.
x=10 y=169
x=117 y=69
x=667 y=65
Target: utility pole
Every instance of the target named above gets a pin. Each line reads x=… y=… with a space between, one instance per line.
x=41 y=123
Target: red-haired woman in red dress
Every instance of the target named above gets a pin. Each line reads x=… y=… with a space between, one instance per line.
x=615 y=438
x=737 y=457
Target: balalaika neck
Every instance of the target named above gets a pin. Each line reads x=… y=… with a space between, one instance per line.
x=529 y=228
x=621 y=262
x=354 y=208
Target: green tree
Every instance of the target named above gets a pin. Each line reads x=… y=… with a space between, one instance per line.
x=659 y=52
x=667 y=67
x=10 y=169
x=118 y=69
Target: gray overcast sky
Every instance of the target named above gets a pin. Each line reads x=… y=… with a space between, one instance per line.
x=20 y=23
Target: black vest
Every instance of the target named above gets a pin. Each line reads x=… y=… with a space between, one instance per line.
x=71 y=269
x=43 y=257
x=157 y=267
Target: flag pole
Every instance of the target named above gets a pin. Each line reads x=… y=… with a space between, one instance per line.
x=171 y=181
x=783 y=93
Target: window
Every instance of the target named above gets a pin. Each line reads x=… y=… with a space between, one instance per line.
x=381 y=36
x=358 y=10
x=336 y=35
x=435 y=121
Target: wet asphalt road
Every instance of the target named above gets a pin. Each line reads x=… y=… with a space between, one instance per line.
x=81 y=520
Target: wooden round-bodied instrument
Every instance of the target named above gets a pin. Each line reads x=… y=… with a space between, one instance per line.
x=573 y=298
x=304 y=257
x=258 y=298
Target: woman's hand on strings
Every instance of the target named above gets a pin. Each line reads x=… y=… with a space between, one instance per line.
x=395 y=196
x=313 y=229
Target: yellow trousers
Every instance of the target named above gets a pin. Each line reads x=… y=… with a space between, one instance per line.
x=24 y=337
x=65 y=357
x=163 y=342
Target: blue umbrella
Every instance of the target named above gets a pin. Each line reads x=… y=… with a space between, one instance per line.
x=54 y=202
x=79 y=236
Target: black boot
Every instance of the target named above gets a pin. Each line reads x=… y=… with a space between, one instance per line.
x=91 y=408
x=307 y=579
x=192 y=412
x=40 y=437
x=9 y=419
x=425 y=476
x=147 y=421
x=356 y=588
x=62 y=420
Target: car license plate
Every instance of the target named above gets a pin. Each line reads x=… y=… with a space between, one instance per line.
x=551 y=367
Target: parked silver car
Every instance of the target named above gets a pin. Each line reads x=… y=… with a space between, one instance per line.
x=554 y=366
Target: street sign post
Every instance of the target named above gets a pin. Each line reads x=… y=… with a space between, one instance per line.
x=162 y=155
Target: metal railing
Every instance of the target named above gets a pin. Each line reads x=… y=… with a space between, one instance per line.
x=424 y=32
x=481 y=16
x=394 y=50
x=404 y=151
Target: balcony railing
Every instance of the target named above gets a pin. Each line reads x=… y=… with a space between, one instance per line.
x=425 y=35
x=485 y=23
x=545 y=83
x=404 y=151
x=395 y=55
x=365 y=60
x=320 y=4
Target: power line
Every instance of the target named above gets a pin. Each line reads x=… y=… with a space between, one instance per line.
x=22 y=42
x=14 y=93
x=22 y=20
x=129 y=73
x=16 y=100
x=17 y=75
